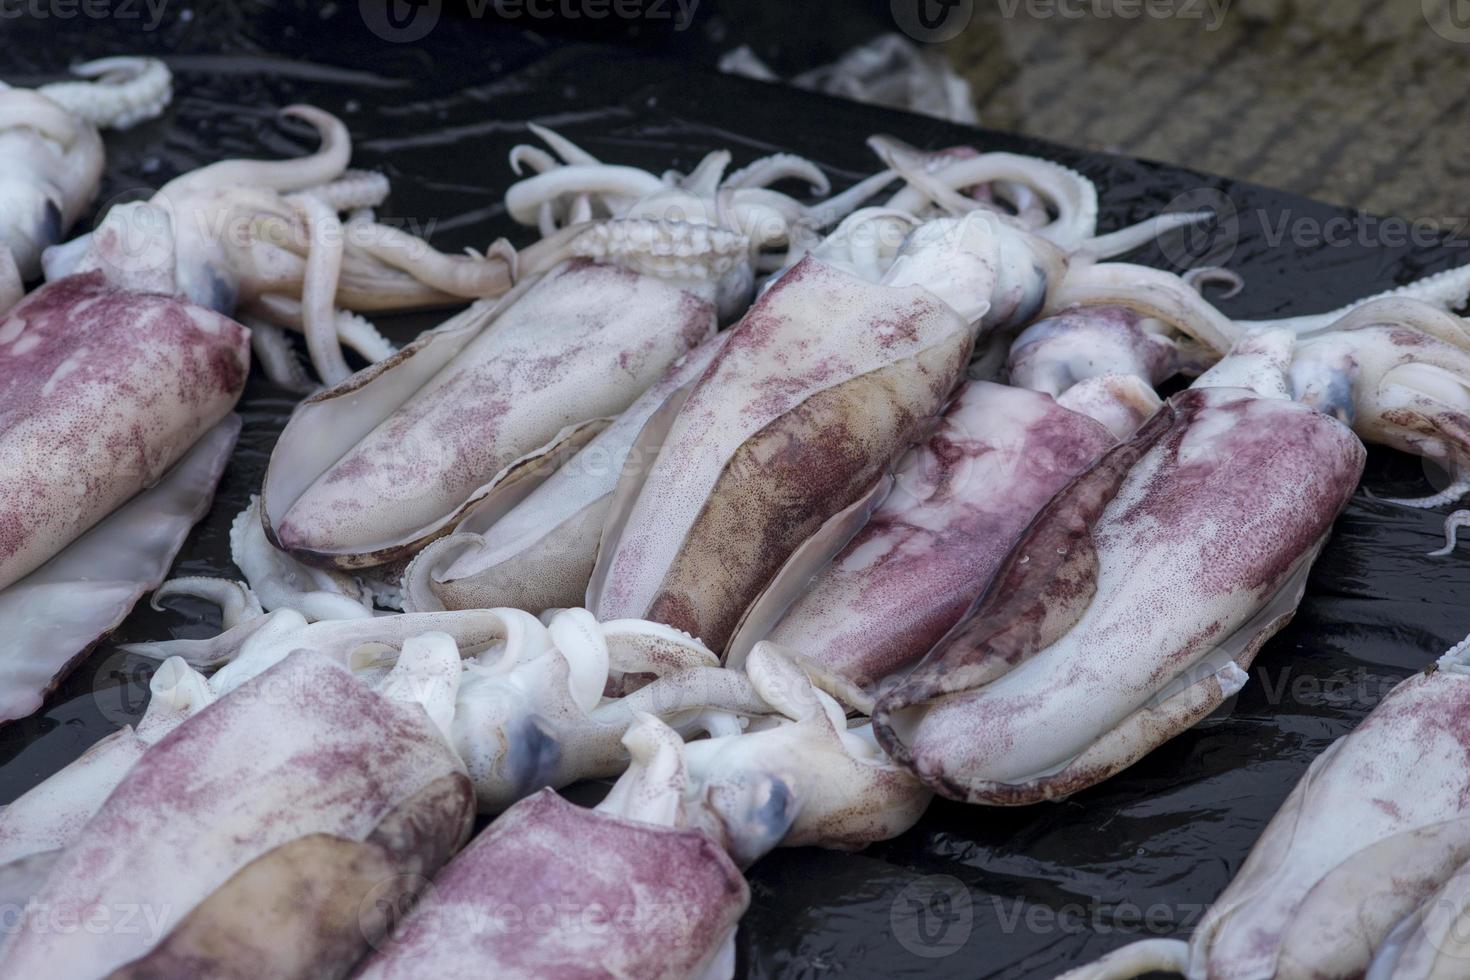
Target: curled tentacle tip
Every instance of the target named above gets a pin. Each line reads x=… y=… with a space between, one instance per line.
x=310 y=114
x=1452 y=525
x=1214 y=275
x=503 y=250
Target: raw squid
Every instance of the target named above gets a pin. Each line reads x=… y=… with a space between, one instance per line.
x=353 y=798
x=539 y=554
x=370 y=471
x=651 y=860
x=821 y=387
x=53 y=155
x=1362 y=871
x=799 y=777
x=262 y=238
x=551 y=889
x=1137 y=598
x=531 y=706
x=103 y=393
x=959 y=503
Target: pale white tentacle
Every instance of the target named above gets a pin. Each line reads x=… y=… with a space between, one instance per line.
x=777 y=167
x=1452 y=525
x=22 y=108
x=274 y=354
x=1134 y=960
x=354 y=331
x=121 y=92
x=319 y=289
x=1453 y=493
x=281 y=582
x=237 y=604
x=1136 y=236
x=570 y=152
x=1448 y=290
x=322 y=167
x=353 y=191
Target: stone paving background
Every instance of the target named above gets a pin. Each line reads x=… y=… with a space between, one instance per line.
x=1362 y=103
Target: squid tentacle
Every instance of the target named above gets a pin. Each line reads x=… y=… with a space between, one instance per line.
x=276 y=358
x=355 y=190
x=1214 y=275
x=121 y=92
x=1448 y=290
x=354 y=331
x=1452 y=525
x=1136 y=959
x=327 y=164
x=778 y=167
x=456 y=275
x=236 y=602
x=708 y=174
x=319 y=289
x=570 y=152
x=1453 y=493
x=25 y=108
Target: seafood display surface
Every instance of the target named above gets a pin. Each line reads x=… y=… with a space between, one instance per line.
x=721 y=549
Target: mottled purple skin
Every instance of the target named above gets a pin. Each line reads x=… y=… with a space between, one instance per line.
x=305 y=748
x=1162 y=550
x=1053 y=354
x=552 y=891
x=822 y=387
x=1404 y=771
x=581 y=344
x=101 y=391
x=929 y=551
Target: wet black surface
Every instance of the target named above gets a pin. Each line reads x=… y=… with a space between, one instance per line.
x=970 y=892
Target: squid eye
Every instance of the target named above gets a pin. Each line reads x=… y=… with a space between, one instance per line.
x=1328 y=390
x=52 y=227
x=533 y=756
x=756 y=815
x=223 y=295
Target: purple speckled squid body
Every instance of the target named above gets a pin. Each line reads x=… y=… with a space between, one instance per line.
x=1134 y=602
x=644 y=901
x=371 y=470
x=114 y=430
x=958 y=504
x=821 y=388
x=101 y=391
x=552 y=891
x=353 y=798
x=1364 y=867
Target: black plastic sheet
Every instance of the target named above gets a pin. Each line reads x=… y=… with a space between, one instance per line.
x=971 y=891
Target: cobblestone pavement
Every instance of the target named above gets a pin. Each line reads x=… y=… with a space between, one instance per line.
x=1362 y=103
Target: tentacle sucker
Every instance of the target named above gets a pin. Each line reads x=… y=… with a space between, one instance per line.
x=122 y=92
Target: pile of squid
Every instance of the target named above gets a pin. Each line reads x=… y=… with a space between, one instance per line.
x=781 y=513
